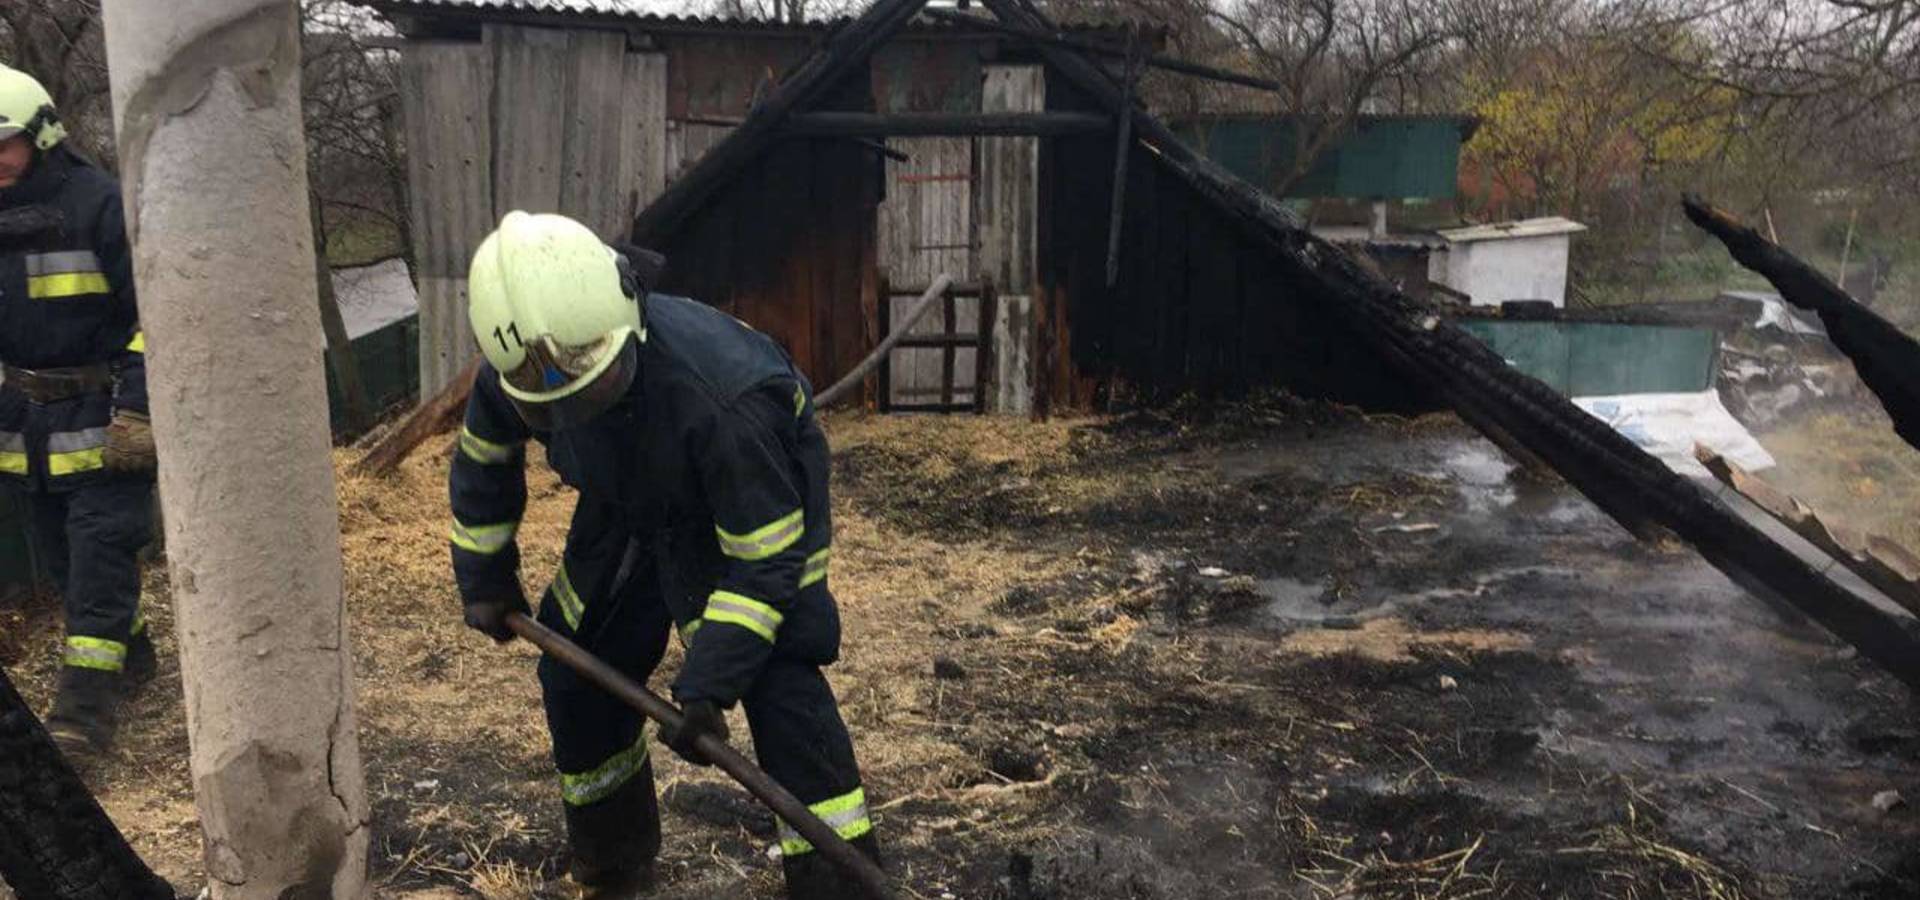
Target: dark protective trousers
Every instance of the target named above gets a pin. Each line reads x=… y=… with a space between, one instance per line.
x=598 y=742
x=90 y=537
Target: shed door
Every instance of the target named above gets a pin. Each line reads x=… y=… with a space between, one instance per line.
x=926 y=228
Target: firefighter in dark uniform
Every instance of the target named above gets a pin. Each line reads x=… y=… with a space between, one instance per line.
x=702 y=479
x=73 y=404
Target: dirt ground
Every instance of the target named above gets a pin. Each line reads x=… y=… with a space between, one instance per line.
x=1266 y=650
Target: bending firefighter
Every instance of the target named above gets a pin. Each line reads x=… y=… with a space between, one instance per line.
x=703 y=510
x=73 y=404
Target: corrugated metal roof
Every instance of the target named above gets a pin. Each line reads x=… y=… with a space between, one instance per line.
x=625 y=12
x=1524 y=228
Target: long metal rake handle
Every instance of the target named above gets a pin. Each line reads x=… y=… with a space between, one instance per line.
x=784 y=804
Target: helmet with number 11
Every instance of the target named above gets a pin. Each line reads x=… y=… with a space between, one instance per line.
x=558 y=315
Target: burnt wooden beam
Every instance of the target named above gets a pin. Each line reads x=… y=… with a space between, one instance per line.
x=55 y=840
x=1435 y=355
x=1887 y=358
x=1122 y=149
x=843 y=54
x=855 y=124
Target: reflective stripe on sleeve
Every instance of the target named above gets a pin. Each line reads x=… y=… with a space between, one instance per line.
x=816 y=568
x=766 y=540
x=96 y=653
x=485 y=539
x=71 y=284
x=744 y=611
x=594 y=785
x=72 y=452
x=13 y=453
x=846 y=814
x=799 y=401
x=63 y=262
x=485 y=452
x=138 y=344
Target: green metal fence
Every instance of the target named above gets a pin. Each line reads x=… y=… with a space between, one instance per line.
x=1597 y=359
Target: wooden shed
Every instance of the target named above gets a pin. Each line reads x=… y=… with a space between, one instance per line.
x=933 y=145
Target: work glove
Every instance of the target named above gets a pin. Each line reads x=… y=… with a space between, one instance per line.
x=488 y=614
x=129 y=443
x=696 y=718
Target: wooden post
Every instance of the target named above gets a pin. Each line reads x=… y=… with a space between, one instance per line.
x=1007 y=210
x=206 y=94
x=346 y=369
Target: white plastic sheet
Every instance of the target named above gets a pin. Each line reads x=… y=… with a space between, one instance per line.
x=1668 y=425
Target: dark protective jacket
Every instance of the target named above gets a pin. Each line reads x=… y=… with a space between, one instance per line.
x=66 y=301
x=708 y=479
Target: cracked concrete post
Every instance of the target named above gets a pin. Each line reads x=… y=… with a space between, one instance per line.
x=206 y=100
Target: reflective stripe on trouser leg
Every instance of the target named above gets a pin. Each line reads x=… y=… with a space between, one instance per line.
x=104 y=525
x=96 y=653
x=582 y=788
x=846 y=814
x=571 y=607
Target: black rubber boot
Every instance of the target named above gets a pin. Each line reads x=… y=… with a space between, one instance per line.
x=83 y=718
x=142 y=661
x=614 y=842
x=810 y=876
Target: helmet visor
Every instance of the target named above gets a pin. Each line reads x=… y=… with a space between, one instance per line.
x=560 y=387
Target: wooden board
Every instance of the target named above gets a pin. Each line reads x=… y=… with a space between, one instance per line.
x=592 y=187
x=1005 y=209
x=530 y=68
x=643 y=163
x=444 y=96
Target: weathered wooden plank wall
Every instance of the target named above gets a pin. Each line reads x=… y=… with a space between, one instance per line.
x=593 y=187
x=444 y=94
x=530 y=67
x=926 y=229
x=535 y=119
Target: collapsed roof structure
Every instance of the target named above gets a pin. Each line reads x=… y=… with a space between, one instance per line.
x=1427 y=352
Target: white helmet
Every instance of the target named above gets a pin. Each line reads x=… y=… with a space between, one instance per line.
x=557 y=313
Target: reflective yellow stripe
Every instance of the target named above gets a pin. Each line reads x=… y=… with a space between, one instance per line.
x=66 y=284
x=485 y=539
x=799 y=401
x=96 y=653
x=592 y=786
x=485 y=452
x=765 y=541
x=75 y=462
x=846 y=814
x=744 y=611
x=13 y=463
x=816 y=568
x=571 y=608
x=687 y=631
x=139 y=618
x=138 y=344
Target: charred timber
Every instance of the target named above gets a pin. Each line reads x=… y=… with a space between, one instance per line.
x=1887 y=358
x=854 y=124
x=1619 y=477
x=55 y=840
